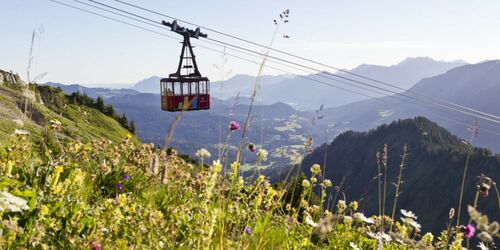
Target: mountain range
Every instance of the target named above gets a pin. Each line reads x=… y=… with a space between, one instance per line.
x=305 y=93
x=282 y=127
x=476 y=86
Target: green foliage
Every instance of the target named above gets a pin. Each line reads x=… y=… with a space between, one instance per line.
x=124 y=195
x=432 y=174
x=57 y=100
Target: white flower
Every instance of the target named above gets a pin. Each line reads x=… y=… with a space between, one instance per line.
x=482 y=246
x=354 y=246
x=412 y=223
x=262 y=154
x=310 y=222
x=202 y=153
x=381 y=236
x=21 y=132
x=408 y=214
x=363 y=218
x=55 y=122
x=11 y=203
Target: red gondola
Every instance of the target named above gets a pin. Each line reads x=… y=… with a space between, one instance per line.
x=188 y=91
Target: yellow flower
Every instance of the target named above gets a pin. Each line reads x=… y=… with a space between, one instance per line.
x=58 y=169
x=341 y=206
x=354 y=205
x=216 y=166
x=315 y=169
x=121 y=199
x=235 y=166
x=44 y=210
x=327 y=183
x=428 y=238
x=306 y=184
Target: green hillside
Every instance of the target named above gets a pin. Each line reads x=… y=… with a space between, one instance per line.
x=432 y=172
x=32 y=108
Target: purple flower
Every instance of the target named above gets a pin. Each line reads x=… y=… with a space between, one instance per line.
x=252 y=147
x=126 y=177
x=469 y=231
x=234 y=125
x=119 y=186
x=248 y=230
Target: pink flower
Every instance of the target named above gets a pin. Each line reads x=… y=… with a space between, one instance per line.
x=252 y=147
x=234 y=125
x=96 y=246
x=469 y=231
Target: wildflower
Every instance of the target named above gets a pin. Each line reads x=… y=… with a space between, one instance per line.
x=412 y=223
x=262 y=154
x=341 y=206
x=216 y=166
x=306 y=184
x=348 y=220
x=126 y=177
x=408 y=214
x=119 y=186
x=482 y=246
x=202 y=153
x=354 y=205
x=55 y=122
x=327 y=183
x=315 y=169
x=314 y=180
x=310 y=222
x=380 y=236
x=248 y=230
x=354 y=246
x=252 y=147
x=469 y=231
x=235 y=166
x=11 y=203
x=485 y=237
x=451 y=214
x=363 y=218
x=428 y=238
x=96 y=246
x=483 y=184
x=21 y=132
x=234 y=125
x=44 y=210
x=494 y=228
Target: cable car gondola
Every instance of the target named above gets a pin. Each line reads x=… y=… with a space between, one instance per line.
x=188 y=91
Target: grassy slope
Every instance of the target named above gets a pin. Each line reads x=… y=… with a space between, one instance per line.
x=78 y=122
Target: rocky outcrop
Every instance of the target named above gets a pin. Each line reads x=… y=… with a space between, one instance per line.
x=10 y=78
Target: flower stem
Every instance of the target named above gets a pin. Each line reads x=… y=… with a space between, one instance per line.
x=379 y=190
x=462 y=186
x=498 y=195
x=396 y=195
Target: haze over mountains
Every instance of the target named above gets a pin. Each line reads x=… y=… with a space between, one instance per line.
x=476 y=86
x=304 y=94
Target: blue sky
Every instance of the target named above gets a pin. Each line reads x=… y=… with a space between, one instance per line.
x=77 y=47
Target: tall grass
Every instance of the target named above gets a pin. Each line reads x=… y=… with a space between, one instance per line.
x=398 y=184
